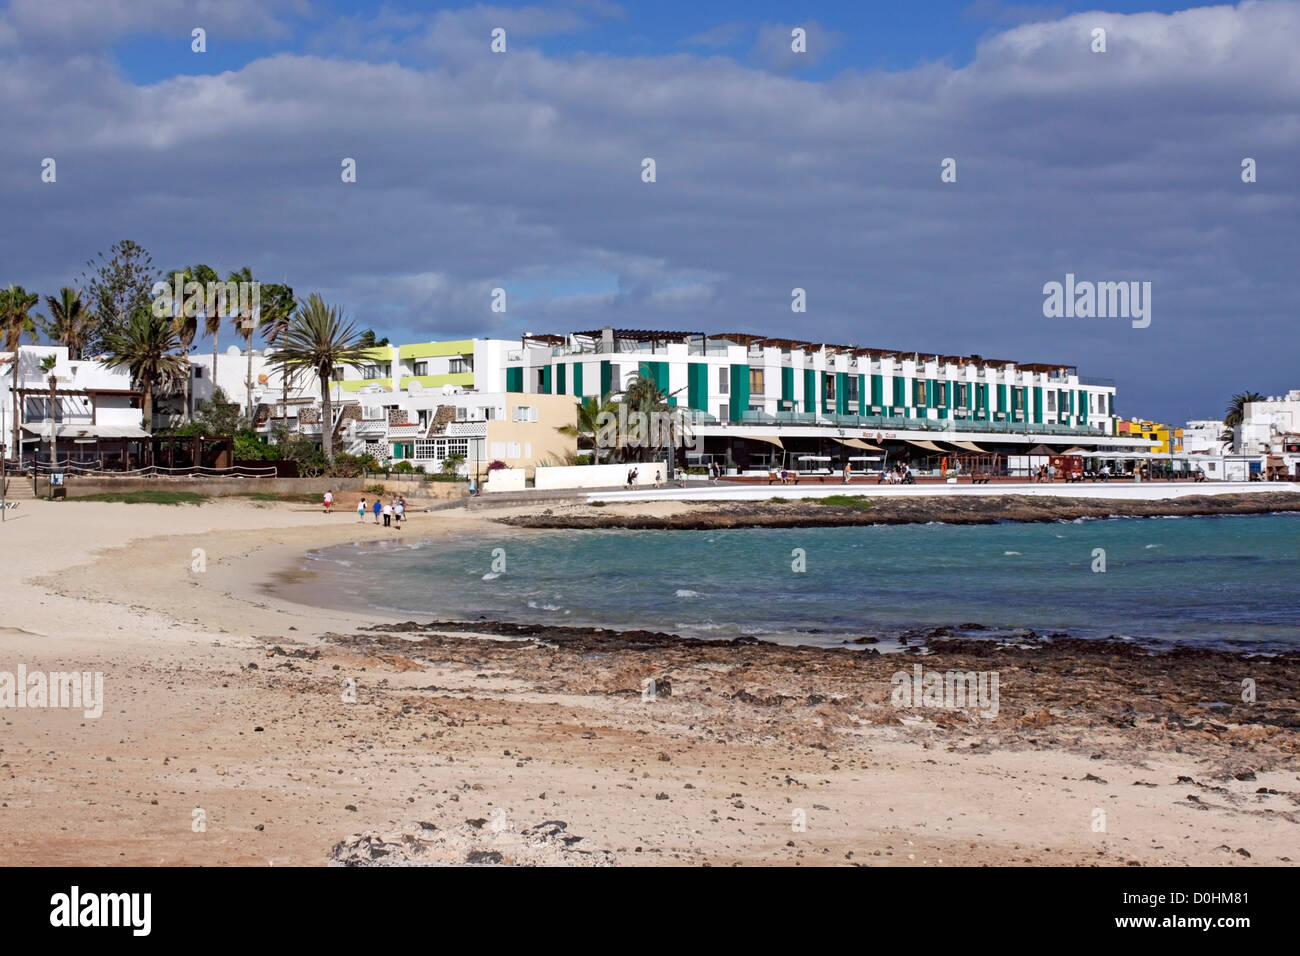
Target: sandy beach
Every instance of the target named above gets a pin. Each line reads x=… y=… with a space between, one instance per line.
x=296 y=729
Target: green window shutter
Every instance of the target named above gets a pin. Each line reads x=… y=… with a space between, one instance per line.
x=877 y=390
x=900 y=392
x=1002 y=398
x=546 y=380
x=841 y=393
x=862 y=395
x=697 y=386
x=561 y=370
x=514 y=379
x=606 y=377
x=739 y=391
x=1038 y=404
x=1111 y=403
x=809 y=390
x=787 y=385
x=1083 y=406
x=577 y=379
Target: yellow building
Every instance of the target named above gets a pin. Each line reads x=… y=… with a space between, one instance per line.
x=1164 y=439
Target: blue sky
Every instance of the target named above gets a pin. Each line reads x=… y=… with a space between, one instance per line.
x=870 y=34
x=775 y=171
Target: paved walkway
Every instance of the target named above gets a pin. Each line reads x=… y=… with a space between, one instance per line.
x=1115 y=490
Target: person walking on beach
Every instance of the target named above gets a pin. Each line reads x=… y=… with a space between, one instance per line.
x=399 y=512
x=388 y=515
x=378 y=508
x=848 y=472
x=329 y=501
x=361 y=509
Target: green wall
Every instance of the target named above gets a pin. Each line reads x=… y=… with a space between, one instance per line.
x=739 y=391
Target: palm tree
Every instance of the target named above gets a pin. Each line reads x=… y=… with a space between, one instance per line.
x=318 y=339
x=47 y=366
x=277 y=308
x=1236 y=411
x=16 y=321
x=147 y=345
x=70 y=322
x=186 y=323
x=246 y=323
x=212 y=309
x=643 y=395
x=588 y=422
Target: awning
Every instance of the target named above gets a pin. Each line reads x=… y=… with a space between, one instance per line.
x=771 y=440
x=859 y=443
x=969 y=446
x=927 y=445
x=107 y=432
x=1076 y=450
x=1041 y=450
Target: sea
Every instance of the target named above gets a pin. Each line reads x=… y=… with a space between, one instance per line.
x=1223 y=581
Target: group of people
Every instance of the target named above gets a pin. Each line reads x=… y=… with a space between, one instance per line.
x=392 y=511
x=899 y=474
x=1045 y=473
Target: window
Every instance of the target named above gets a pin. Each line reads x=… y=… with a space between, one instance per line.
x=458 y=365
x=724 y=380
x=512 y=450
x=961 y=395
x=337 y=374
x=853 y=388
x=462 y=413
x=756 y=381
x=1051 y=400
x=829 y=378
x=421 y=368
x=525 y=413
x=198 y=371
x=1017 y=400
x=918 y=394
x=370 y=372
x=439 y=449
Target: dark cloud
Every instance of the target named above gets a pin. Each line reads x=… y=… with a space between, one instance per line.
x=478 y=170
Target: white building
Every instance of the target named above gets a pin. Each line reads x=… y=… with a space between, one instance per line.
x=269 y=392
x=96 y=412
x=1202 y=437
x=1265 y=426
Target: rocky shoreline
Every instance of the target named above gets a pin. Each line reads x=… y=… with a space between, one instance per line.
x=1052 y=687
x=808 y=513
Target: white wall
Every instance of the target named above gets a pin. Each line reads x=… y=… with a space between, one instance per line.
x=505 y=479
x=598 y=476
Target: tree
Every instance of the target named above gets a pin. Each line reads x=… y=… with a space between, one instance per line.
x=662 y=422
x=368 y=340
x=119 y=286
x=277 y=307
x=1236 y=413
x=318 y=339
x=47 y=366
x=589 y=411
x=451 y=464
x=187 y=329
x=212 y=308
x=16 y=321
x=246 y=323
x=147 y=346
x=70 y=322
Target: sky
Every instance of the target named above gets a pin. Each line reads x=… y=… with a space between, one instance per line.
x=774 y=169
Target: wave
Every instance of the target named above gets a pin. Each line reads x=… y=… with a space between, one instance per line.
x=686 y=593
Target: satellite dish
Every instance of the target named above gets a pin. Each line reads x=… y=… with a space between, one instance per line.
x=413 y=387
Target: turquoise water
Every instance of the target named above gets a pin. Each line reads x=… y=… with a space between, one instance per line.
x=1201 y=580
